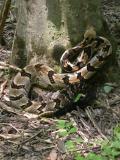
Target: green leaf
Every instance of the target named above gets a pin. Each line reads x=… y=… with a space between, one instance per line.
x=79 y=157
x=117 y=132
x=107 y=89
x=78 y=140
x=63 y=132
x=107 y=150
x=68 y=125
x=93 y=156
x=115 y=144
x=70 y=145
x=72 y=130
x=61 y=124
x=115 y=153
x=77 y=98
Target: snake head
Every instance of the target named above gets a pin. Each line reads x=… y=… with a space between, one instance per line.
x=89 y=35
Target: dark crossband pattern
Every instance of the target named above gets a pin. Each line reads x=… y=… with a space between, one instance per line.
x=68 y=68
x=88 y=51
x=80 y=77
x=16 y=97
x=100 y=58
x=80 y=65
x=106 y=48
x=69 y=56
x=91 y=53
x=50 y=75
x=73 y=52
x=43 y=104
x=16 y=86
x=99 y=41
x=90 y=68
x=25 y=74
x=28 y=104
x=66 y=80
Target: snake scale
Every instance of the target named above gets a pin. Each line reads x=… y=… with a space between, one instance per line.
x=89 y=56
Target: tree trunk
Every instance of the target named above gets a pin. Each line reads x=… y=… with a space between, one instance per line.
x=46 y=28
x=3 y=17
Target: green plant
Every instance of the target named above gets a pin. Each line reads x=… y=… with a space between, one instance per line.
x=70 y=145
x=79 y=95
x=108 y=87
x=110 y=150
x=65 y=128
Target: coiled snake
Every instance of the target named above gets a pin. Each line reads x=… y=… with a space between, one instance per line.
x=91 y=54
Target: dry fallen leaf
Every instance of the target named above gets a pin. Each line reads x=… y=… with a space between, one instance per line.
x=52 y=155
x=61 y=146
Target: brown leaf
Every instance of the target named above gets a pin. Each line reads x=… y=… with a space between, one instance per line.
x=61 y=146
x=52 y=155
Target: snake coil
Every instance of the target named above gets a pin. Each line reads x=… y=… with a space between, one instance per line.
x=91 y=54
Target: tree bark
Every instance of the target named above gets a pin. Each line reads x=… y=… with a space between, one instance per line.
x=3 y=17
x=45 y=28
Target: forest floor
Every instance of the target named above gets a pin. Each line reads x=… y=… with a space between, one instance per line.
x=73 y=135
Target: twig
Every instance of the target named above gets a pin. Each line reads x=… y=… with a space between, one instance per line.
x=86 y=150
x=11 y=136
x=110 y=108
x=84 y=124
x=82 y=120
x=114 y=101
x=108 y=105
x=32 y=137
x=79 y=132
x=6 y=66
x=8 y=124
x=89 y=114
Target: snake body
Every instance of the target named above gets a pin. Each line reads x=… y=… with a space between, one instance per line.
x=91 y=54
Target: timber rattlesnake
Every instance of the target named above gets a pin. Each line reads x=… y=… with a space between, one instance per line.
x=89 y=56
